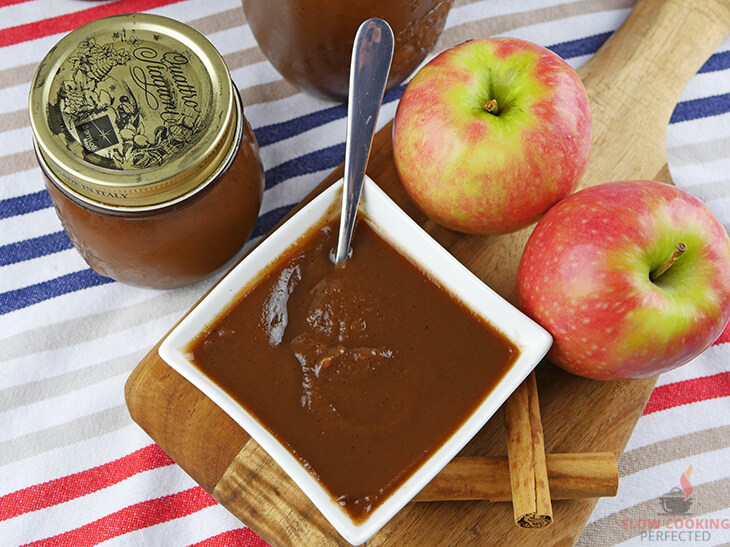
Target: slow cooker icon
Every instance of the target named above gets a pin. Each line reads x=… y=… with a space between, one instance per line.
x=674 y=502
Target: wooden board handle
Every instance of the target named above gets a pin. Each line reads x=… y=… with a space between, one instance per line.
x=637 y=77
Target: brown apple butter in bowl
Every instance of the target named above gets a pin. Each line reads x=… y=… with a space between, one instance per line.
x=361 y=370
x=148 y=158
x=361 y=380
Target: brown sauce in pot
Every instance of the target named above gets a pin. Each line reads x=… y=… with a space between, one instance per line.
x=310 y=41
x=362 y=370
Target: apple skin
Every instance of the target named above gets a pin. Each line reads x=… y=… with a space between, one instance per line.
x=584 y=276
x=481 y=173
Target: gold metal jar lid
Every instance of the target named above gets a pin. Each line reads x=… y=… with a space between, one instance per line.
x=133 y=110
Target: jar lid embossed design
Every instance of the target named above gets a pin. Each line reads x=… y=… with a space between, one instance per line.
x=133 y=111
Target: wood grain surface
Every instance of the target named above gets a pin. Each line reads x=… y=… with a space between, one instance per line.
x=633 y=83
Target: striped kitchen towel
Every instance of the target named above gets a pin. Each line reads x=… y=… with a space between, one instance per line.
x=75 y=470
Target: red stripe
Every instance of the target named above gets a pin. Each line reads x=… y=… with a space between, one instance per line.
x=79 y=484
x=134 y=517
x=70 y=21
x=688 y=391
x=5 y=3
x=724 y=337
x=241 y=537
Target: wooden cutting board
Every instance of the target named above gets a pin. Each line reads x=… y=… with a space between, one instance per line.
x=633 y=83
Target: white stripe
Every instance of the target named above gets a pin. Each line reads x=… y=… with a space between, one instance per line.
x=30 y=12
x=21 y=183
x=682 y=154
x=282 y=110
x=577 y=62
x=255 y=74
x=29 y=272
x=24 y=53
x=47 y=364
x=490 y=8
x=14 y=141
x=232 y=40
x=14 y=97
x=90 y=301
x=317 y=138
x=68 y=460
x=76 y=404
x=693 y=174
x=29 y=225
x=713 y=361
x=571 y=28
x=195 y=9
x=706 y=84
x=192 y=529
x=291 y=191
x=698 y=130
x=307 y=142
x=678 y=421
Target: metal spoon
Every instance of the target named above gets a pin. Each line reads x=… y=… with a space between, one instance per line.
x=372 y=54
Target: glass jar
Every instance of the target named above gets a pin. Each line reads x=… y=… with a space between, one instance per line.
x=148 y=158
x=310 y=41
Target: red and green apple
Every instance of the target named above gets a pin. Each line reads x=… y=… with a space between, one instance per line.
x=491 y=133
x=631 y=279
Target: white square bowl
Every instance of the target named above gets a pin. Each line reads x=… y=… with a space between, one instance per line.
x=411 y=240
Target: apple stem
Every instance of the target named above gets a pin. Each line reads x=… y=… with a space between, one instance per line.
x=491 y=106
x=678 y=251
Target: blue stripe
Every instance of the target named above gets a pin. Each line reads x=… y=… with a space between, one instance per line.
x=701 y=108
x=324 y=158
x=719 y=61
x=270 y=134
x=394 y=94
x=33 y=294
x=580 y=47
x=24 y=204
x=33 y=248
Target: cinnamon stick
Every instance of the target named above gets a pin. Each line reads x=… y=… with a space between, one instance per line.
x=570 y=476
x=526 y=453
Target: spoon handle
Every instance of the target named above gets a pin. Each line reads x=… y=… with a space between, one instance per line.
x=372 y=53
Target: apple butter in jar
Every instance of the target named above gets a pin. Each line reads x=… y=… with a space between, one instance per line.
x=310 y=41
x=148 y=158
